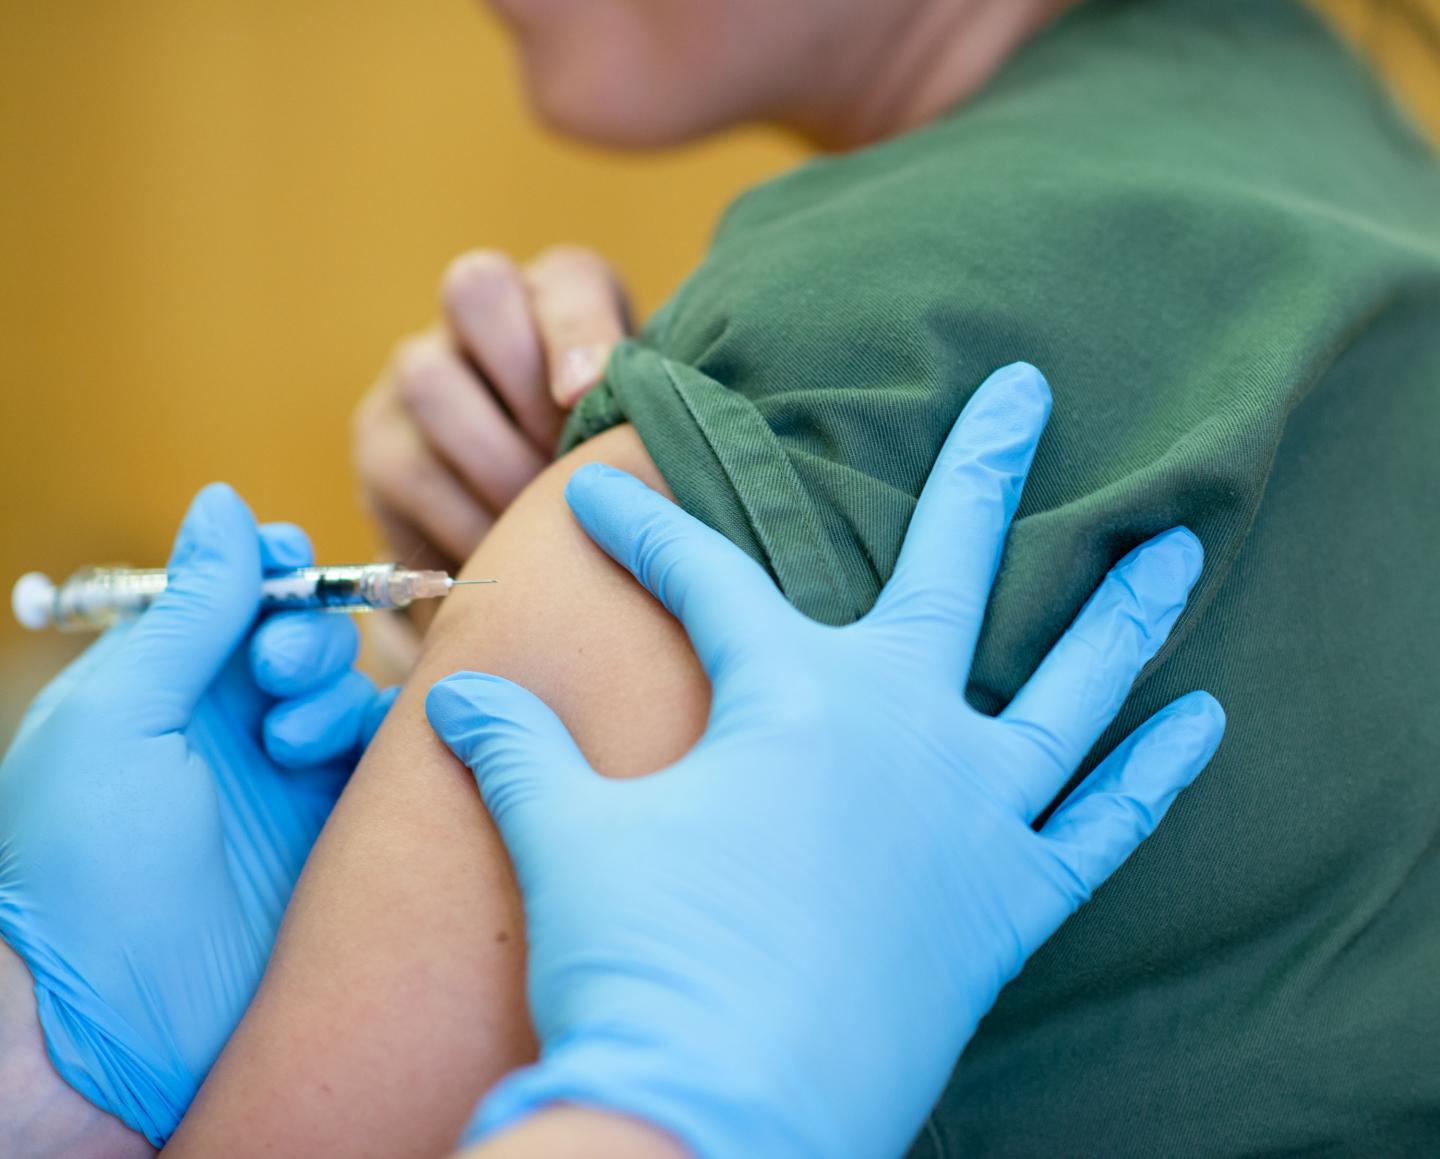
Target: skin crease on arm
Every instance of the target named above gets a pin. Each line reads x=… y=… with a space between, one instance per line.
x=395 y=997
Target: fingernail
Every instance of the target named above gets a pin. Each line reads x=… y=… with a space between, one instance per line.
x=1182 y=544
x=195 y=527
x=1023 y=375
x=580 y=369
x=446 y=703
x=184 y=550
x=218 y=500
x=281 y=730
x=605 y=470
x=289 y=648
x=590 y=475
x=579 y=483
x=286 y=545
x=1201 y=704
x=291 y=737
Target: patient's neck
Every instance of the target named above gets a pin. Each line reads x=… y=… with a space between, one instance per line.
x=920 y=59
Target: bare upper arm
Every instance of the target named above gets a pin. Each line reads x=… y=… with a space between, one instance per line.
x=575 y=628
x=394 y=997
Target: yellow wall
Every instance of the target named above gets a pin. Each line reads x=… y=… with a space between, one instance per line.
x=1402 y=37
x=216 y=216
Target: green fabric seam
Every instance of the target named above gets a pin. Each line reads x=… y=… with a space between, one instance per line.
x=760 y=450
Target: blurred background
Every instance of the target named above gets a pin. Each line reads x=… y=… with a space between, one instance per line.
x=216 y=217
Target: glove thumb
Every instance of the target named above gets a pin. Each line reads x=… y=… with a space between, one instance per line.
x=178 y=647
x=520 y=752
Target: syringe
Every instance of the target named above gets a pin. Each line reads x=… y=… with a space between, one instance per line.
x=96 y=597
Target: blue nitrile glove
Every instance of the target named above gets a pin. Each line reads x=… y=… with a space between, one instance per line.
x=780 y=944
x=157 y=805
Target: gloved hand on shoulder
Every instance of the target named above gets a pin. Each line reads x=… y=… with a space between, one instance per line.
x=781 y=944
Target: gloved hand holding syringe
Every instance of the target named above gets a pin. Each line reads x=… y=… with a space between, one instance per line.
x=94 y=598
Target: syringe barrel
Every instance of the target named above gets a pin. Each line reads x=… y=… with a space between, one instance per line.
x=96 y=597
x=351 y=587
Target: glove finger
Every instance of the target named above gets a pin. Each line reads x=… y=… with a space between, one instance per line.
x=727 y=604
x=376 y=713
x=518 y=749
x=292 y=653
x=1118 y=805
x=1080 y=686
x=178 y=647
x=284 y=545
x=952 y=548
x=320 y=726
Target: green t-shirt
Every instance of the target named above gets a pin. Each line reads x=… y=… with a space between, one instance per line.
x=1204 y=222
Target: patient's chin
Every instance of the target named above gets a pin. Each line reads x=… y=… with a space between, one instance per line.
x=614 y=110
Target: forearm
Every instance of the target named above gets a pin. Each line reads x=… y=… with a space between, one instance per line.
x=41 y=1116
x=395 y=996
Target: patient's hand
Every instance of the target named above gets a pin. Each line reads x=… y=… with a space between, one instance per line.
x=467 y=413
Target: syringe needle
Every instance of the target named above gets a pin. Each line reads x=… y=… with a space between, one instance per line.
x=454 y=583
